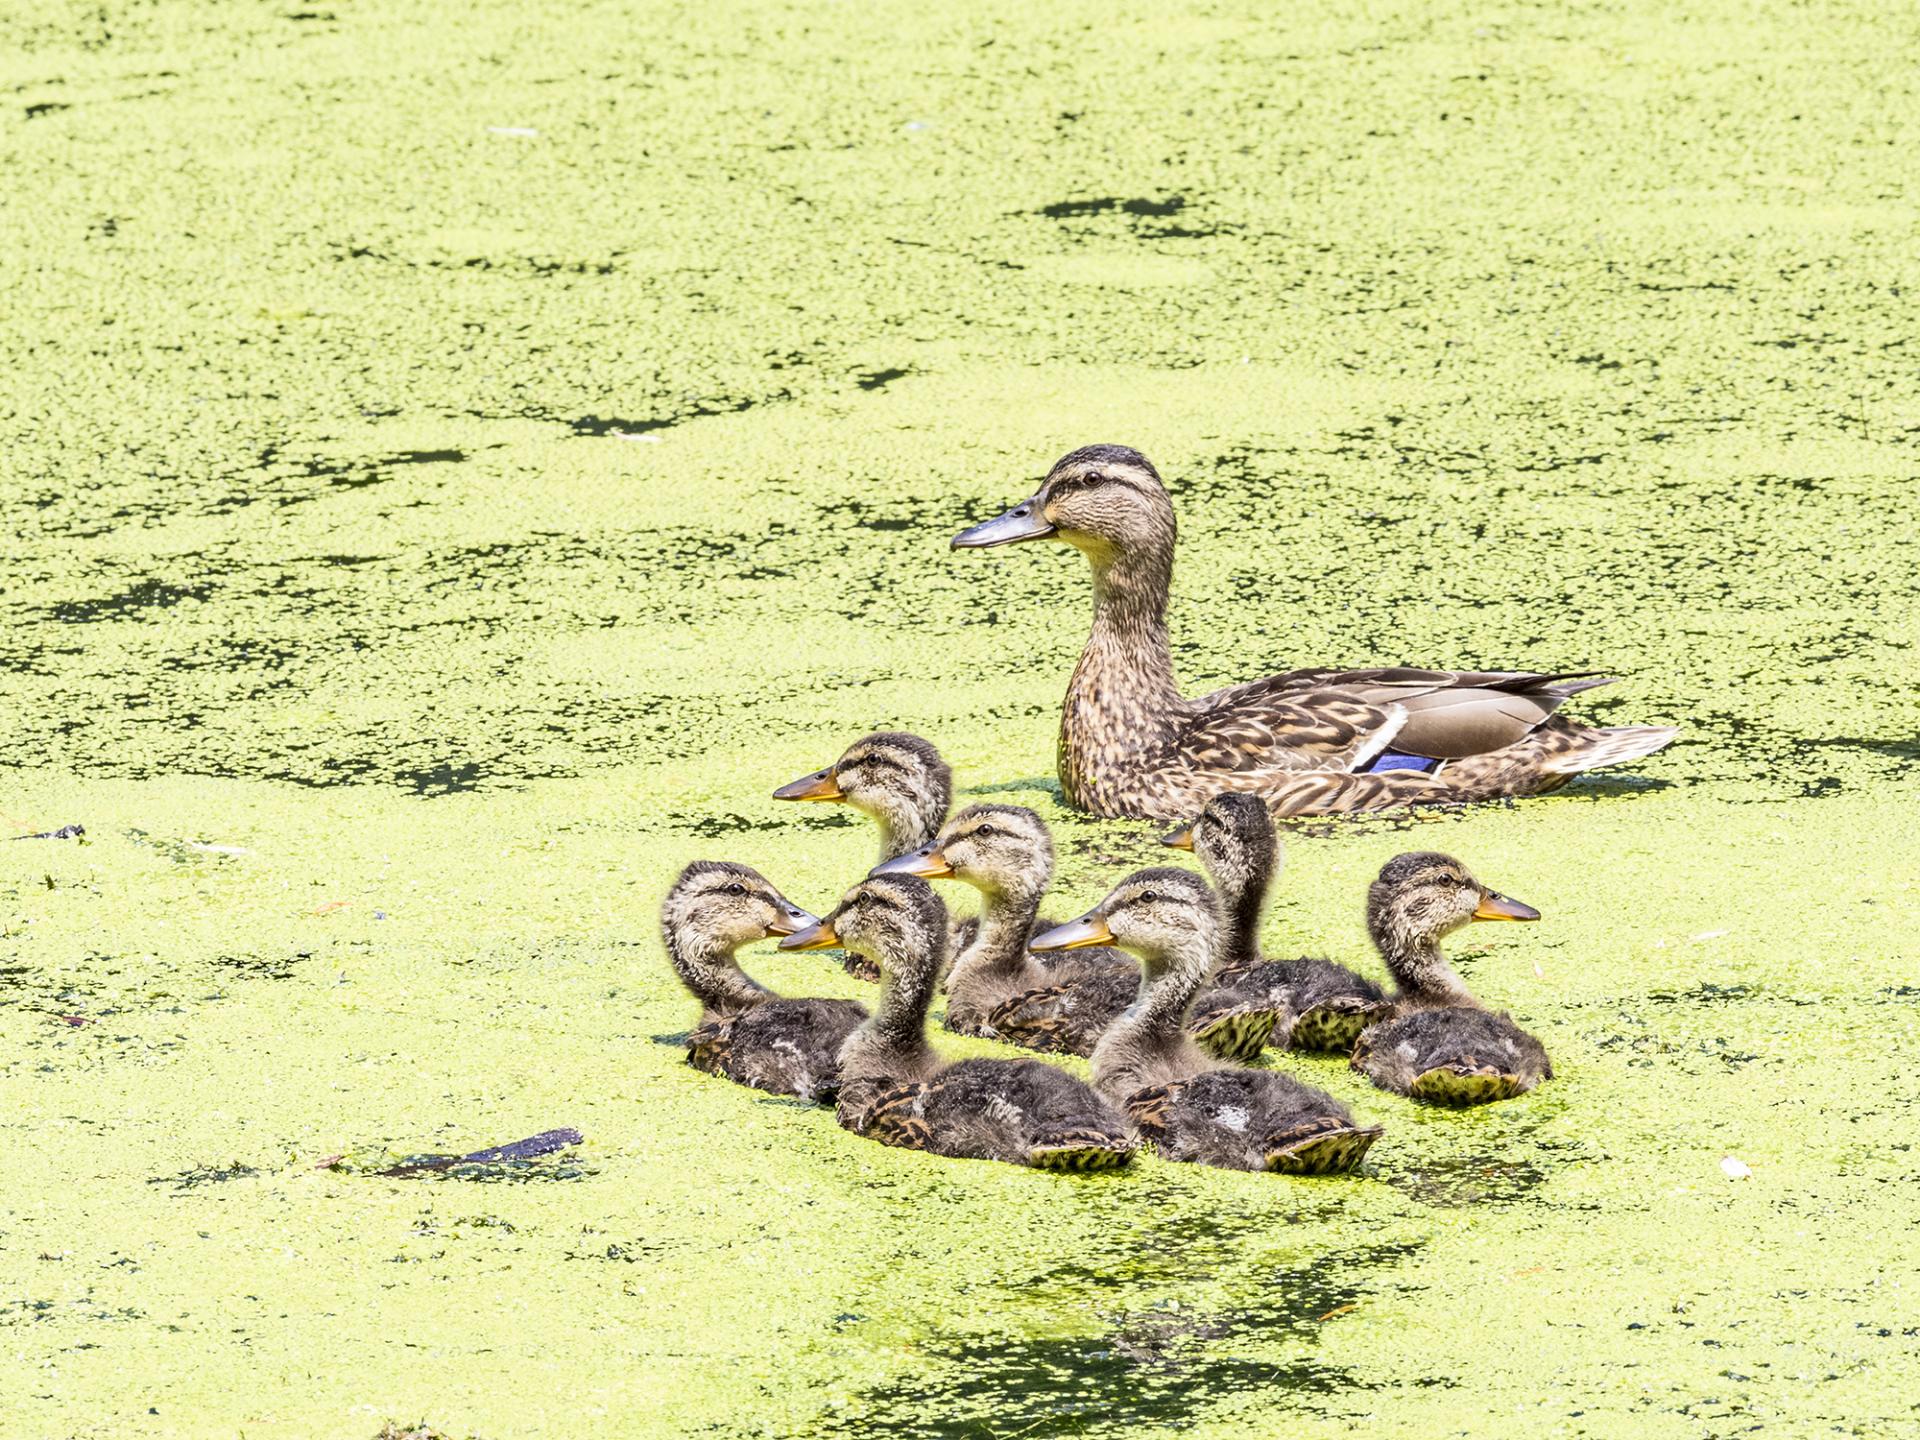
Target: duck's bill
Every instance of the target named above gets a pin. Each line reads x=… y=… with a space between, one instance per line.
x=817 y=936
x=791 y=921
x=818 y=786
x=1023 y=522
x=1181 y=839
x=1494 y=906
x=928 y=863
x=1090 y=929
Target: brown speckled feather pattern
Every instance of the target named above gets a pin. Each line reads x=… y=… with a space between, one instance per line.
x=1131 y=745
x=785 y=1047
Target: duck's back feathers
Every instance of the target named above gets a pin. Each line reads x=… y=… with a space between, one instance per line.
x=1020 y=1111
x=785 y=1047
x=1329 y=1005
x=1452 y=1057
x=1251 y=1120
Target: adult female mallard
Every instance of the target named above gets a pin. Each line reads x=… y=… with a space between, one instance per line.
x=1188 y=1104
x=895 y=1088
x=746 y=1032
x=1309 y=742
x=1441 y=1045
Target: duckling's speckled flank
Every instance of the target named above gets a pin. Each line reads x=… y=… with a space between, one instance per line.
x=1305 y=741
x=1325 y=1006
x=746 y=1032
x=895 y=1088
x=1441 y=1045
x=1187 y=1104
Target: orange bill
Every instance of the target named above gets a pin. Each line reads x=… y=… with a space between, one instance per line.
x=1495 y=906
x=928 y=862
x=1181 y=839
x=817 y=936
x=1089 y=929
x=818 y=786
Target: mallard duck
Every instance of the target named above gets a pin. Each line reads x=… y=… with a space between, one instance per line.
x=1325 y=1005
x=895 y=1087
x=1059 y=1002
x=1189 y=1105
x=1309 y=742
x=1441 y=1045
x=746 y=1032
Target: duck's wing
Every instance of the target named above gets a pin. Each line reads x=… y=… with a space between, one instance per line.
x=1450 y=713
x=1270 y=728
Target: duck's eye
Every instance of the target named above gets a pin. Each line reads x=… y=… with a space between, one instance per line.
x=1148 y=897
x=735 y=889
x=985 y=832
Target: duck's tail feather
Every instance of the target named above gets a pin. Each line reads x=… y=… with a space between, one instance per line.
x=1080 y=1144
x=1235 y=1032
x=1330 y=1152
x=1465 y=1084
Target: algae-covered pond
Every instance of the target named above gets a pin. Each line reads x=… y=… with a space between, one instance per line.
x=457 y=462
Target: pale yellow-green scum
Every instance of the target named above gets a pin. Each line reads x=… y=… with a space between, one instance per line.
x=456 y=464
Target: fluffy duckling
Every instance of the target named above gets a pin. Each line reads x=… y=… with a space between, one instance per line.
x=1325 y=1006
x=895 y=779
x=1189 y=1105
x=1061 y=1001
x=894 y=1086
x=1441 y=1045
x=746 y=1032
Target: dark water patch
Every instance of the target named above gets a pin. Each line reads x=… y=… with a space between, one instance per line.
x=596 y=425
x=265 y=967
x=1706 y=993
x=131 y=603
x=65 y=832
x=880 y=379
x=446 y=778
x=1107 y=204
x=205 y=1175
x=1152 y=1368
x=39 y=110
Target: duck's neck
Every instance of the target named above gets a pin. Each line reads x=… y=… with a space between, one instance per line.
x=1168 y=984
x=1421 y=973
x=1122 y=700
x=1242 y=901
x=999 y=950
x=909 y=821
x=897 y=1033
x=707 y=967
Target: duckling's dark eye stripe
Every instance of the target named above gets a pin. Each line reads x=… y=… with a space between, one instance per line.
x=878 y=762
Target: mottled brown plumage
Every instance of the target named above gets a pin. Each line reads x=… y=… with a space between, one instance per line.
x=1132 y=745
x=746 y=1032
x=1191 y=1106
x=896 y=1088
x=1440 y=1045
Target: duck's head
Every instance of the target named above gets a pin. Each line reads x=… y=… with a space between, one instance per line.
x=1000 y=850
x=1421 y=898
x=729 y=905
x=896 y=921
x=1162 y=915
x=1233 y=837
x=892 y=777
x=1104 y=500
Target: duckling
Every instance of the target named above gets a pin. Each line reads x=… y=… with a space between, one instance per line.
x=1441 y=1045
x=899 y=782
x=746 y=1032
x=1191 y=1107
x=896 y=1088
x=1325 y=1005
x=1309 y=742
x=1058 y=1002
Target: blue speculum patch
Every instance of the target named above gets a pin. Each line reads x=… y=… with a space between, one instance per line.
x=1393 y=761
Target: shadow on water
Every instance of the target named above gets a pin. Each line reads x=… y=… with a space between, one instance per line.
x=1151 y=1367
